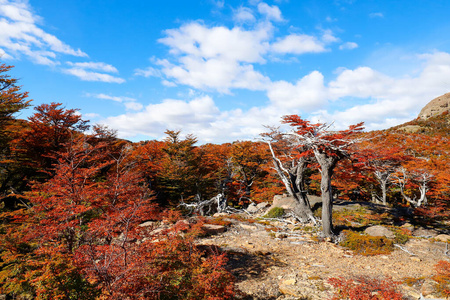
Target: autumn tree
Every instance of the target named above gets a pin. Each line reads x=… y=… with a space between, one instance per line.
x=12 y=100
x=179 y=168
x=329 y=147
x=80 y=238
x=383 y=155
x=49 y=129
x=248 y=160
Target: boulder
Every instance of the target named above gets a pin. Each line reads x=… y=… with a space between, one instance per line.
x=379 y=230
x=212 y=229
x=252 y=208
x=288 y=202
x=147 y=224
x=426 y=233
x=442 y=238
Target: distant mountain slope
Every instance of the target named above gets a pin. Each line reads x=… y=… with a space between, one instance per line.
x=433 y=119
x=436 y=107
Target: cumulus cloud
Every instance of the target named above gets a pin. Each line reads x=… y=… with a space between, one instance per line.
x=308 y=93
x=190 y=116
x=271 y=12
x=198 y=40
x=20 y=35
x=215 y=57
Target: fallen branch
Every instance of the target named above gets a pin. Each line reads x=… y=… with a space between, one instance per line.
x=404 y=249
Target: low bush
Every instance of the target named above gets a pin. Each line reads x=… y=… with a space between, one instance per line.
x=365 y=288
x=443 y=278
x=276 y=212
x=365 y=244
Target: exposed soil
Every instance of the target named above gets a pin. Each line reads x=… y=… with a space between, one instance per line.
x=294 y=264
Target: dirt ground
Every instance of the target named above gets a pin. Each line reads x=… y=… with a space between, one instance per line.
x=294 y=264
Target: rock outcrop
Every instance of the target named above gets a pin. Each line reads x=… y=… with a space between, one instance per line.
x=436 y=107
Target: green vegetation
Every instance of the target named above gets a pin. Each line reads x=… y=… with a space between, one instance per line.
x=276 y=212
x=365 y=244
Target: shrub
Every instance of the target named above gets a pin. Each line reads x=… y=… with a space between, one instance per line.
x=276 y=212
x=365 y=244
x=443 y=278
x=365 y=288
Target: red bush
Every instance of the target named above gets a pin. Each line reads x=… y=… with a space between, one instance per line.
x=365 y=288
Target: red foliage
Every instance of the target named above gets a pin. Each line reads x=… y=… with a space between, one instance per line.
x=81 y=237
x=443 y=277
x=365 y=288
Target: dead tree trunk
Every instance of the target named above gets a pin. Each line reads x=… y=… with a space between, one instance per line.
x=383 y=179
x=293 y=180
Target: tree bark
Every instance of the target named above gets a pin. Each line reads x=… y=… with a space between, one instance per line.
x=327 y=202
x=327 y=164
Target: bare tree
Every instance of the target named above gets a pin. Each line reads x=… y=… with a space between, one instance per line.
x=291 y=162
x=422 y=178
x=329 y=147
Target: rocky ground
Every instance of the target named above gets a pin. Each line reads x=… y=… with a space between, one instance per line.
x=278 y=260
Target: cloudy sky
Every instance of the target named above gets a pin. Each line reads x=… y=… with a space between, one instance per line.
x=222 y=69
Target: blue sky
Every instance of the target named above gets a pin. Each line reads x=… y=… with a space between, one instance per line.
x=222 y=69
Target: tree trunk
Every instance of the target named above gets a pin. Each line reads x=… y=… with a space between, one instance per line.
x=383 y=191
x=327 y=201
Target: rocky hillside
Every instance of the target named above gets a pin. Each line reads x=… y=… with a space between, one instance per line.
x=436 y=107
x=433 y=119
x=280 y=259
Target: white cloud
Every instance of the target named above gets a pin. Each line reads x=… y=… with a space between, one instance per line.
x=271 y=12
x=113 y=98
x=235 y=44
x=362 y=82
x=216 y=58
x=361 y=94
x=328 y=37
x=190 y=116
x=147 y=72
x=348 y=46
x=93 y=76
x=308 y=93
x=128 y=102
x=91 y=115
x=98 y=66
x=218 y=74
x=298 y=44
x=243 y=15
x=19 y=35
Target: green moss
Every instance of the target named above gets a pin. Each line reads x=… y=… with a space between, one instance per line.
x=276 y=212
x=367 y=245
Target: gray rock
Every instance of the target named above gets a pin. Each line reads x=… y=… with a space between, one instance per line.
x=426 y=233
x=213 y=229
x=379 y=230
x=252 y=208
x=288 y=202
x=147 y=224
x=442 y=237
x=262 y=205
